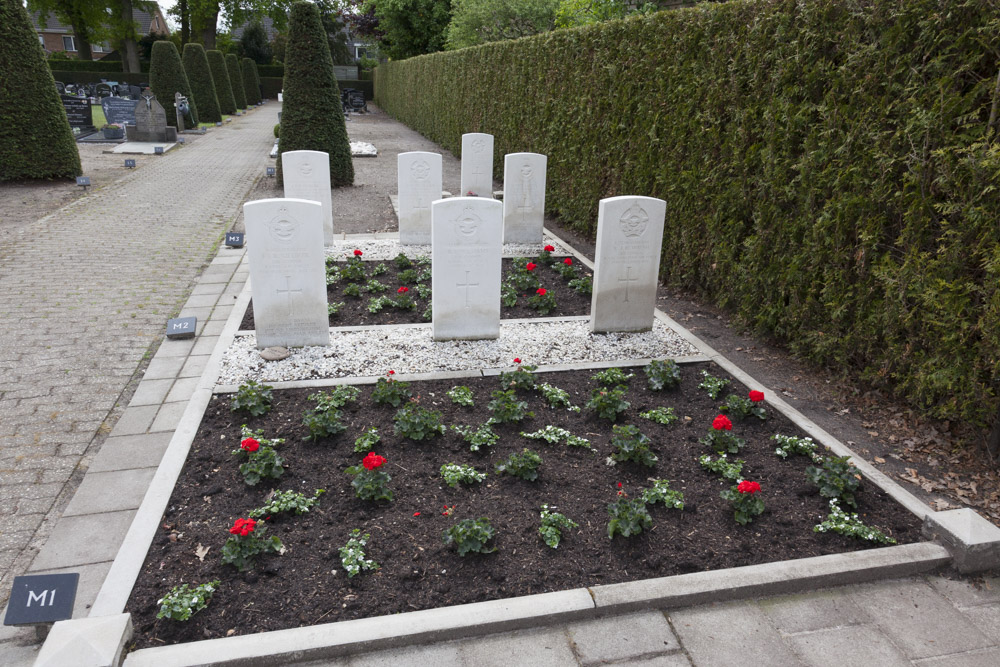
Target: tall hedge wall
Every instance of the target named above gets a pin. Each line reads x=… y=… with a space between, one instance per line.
x=202 y=85
x=827 y=166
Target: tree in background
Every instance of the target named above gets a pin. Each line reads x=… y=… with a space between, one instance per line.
x=166 y=77
x=251 y=82
x=35 y=139
x=411 y=27
x=278 y=45
x=334 y=15
x=253 y=44
x=202 y=85
x=220 y=76
x=573 y=13
x=311 y=117
x=479 y=21
x=236 y=79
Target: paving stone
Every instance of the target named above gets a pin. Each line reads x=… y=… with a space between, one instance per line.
x=539 y=648
x=164 y=367
x=987 y=618
x=72 y=541
x=813 y=611
x=205 y=345
x=919 y=620
x=985 y=658
x=18 y=655
x=213 y=328
x=195 y=365
x=91 y=579
x=168 y=417
x=215 y=289
x=730 y=634
x=176 y=348
x=855 y=645
x=222 y=312
x=110 y=491
x=669 y=660
x=967 y=591
x=136 y=420
x=620 y=637
x=201 y=301
x=439 y=655
x=151 y=392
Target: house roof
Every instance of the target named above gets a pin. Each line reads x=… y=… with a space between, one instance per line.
x=143 y=19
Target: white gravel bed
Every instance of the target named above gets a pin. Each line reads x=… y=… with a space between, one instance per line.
x=375 y=351
x=380 y=250
x=363 y=149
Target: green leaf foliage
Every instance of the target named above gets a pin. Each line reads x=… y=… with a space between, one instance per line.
x=223 y=86
x=251 y=82
x=236 y=79
x=829 y=166
x=166 y=77
x=35 y=137
x=202 y=86
x=311 y=117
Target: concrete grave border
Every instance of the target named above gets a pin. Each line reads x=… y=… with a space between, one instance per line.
x=338 y=639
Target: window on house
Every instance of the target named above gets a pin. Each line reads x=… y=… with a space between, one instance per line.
x=69 y=44
x=41 y=40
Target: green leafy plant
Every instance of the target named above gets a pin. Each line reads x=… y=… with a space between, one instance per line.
x=248 y=542
x=720 y=437
x=565 y=268
x=369 y=482
x=262 y=460
x=556 y=397
x=352 y=554
x=482 y=436
x=521 y=378
x=850 y=525
x=628 y=516
x=662 y=374
x=404 y=300
x=523 y=276
x=407 y=277
x=612 y=377
x=324 y=420
x=428 y=313
x=508 y=294
x=745 y=500
x=402 y=262
x=731 y=470
x=788 y=445
x=583 y=285
x=183 y=602
x=524 y=465
x=836 y=478
x=252 y=398
x=608 y=403
x=554 y=435
x=711 y=384
x=545 y=256
x=461 y=395
x=660 y=415
x=740 y=408
x=553 y=523
x=391 y=392
x=416 y=422
x=352 y=290
x=631 y=445
x=379 y=269
x=505 y=407
x=470 y=535
x=375 y=286
x=333 y=308
x=376 y=304
x=542 y=301
x=367 y=440
x=661 y=492
x=455 y=474
x=286 y=501
x=353 y=270
x=423 y=291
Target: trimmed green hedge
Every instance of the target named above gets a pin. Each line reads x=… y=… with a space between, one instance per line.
x=220 y=76
x=167 y=78
x=95 y=77
x=271 y=70
x=236 y=79
x=102 y=65
x=202 y=85
x=827 y=167
x=271 y=86
x=251 y=82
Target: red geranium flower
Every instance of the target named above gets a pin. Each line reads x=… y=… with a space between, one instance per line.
x=357 y=253
x=250 y=445
x=549 y=248
x=619 y=485
x=530 y=266
x=403 y=290
x=373 y=461
x=416 y=514
x=517 y=360
x=391 y=373
x=748 y=487
x=243 y=527
x=722 y=423
x=756 y=396
x=568 y=261
x=540 y=291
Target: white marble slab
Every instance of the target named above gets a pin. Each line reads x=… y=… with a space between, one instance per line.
x=418 y=179
x=477 y=165
x=523 y=197
x=307 y=176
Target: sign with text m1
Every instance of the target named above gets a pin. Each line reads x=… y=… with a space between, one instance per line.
x=41 y=598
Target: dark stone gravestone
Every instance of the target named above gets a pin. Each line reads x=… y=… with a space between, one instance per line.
x=41 y=598
x=234 y=239
x=150 y=122
x=119 y=110
x=78 y=112
x=181 y=327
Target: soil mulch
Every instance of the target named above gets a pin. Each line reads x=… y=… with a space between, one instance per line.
x=355 y=311
x=307 y=585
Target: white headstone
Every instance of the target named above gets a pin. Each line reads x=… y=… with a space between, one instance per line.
x=467 y=245
x=523 y=197
x=477 y=165
x=307 y=176
x=418 y=178
x=629 y=237
x=287 y=272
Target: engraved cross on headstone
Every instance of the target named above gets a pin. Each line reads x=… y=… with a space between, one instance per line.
x=628 y=279
x=421 y=205
x=289 y=291
x=466 y=285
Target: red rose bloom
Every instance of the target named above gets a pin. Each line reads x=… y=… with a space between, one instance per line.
x=549 y=248
x=530 y=266
x=358 y=253
x=722 y=423
x=568 y=261
x=250 y=445
x=540 y=291
x=748 y=487
x=243 y=527
x=403 y=290
x=756 y=396
x=373 y=461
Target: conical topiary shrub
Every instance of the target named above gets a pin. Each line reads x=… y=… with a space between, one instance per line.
x=200 y=78
x=311 y=117
x=236 y=79
x=220 y=75
x=35 y=137
x=166 y=77
x=250 y=81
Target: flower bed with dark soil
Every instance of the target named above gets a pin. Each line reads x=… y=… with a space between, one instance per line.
x=308 y=585
x=354 y=311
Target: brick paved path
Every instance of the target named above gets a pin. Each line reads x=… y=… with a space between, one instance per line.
x=86 y=293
